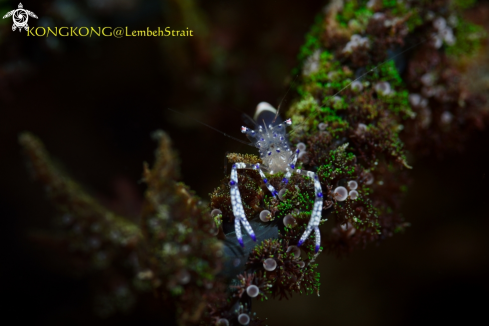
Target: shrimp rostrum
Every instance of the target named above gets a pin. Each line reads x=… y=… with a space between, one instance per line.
x=276 y=156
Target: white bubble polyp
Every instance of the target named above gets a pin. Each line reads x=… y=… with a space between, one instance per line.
x=448 y=36
x=440 y=23
x=222 y=322
x=265 y=216
x=353 y=194
x=281 y=194
x=383 y=88
x=369 y=179
x=335 y=99
x=302 y=264
x=216 y=212
x=355 y=41
x=301 y=147
x=352 y=184
x=332 y=75
x=295 y=250
x=362 y=127
x=244 y=319
x=424 y=103
x=437 y=41
x=428 y=79
x=312 y=63
x=253 y=291
x=446 y=117
x=356 y=86
x=377 y=15
x=184 y=277
x=269 y=264
x=415 y=99
x=185 y=249
x=340 y=193
x=322 y=126
x=289 y=221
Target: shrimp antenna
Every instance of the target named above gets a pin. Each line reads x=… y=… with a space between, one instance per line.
x=283 y=98
x=377 y=66
x=221 y=132
x=247 y=118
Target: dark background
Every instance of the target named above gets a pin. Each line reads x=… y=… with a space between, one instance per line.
x=95 y=103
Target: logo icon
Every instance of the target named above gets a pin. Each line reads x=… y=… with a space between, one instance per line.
x=20 y=17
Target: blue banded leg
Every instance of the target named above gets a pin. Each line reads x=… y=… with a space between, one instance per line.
x=237 y=229
x=316 y=211
x=269 y=186
x=317 y=236
x=295 y=158
x=238 y=210
x=288 y=172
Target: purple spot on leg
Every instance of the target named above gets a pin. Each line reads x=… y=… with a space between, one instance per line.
x=253 y=237
x=300 y=243
x=316 y=249
x=241 y=242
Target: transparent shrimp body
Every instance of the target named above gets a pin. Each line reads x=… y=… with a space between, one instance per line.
x=273 y=146
x=276 y=155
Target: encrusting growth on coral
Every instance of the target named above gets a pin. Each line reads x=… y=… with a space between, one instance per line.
x=368 y=101
x=380 y=83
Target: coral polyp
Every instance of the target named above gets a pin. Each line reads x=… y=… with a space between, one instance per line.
x=269 y=264
x=353 y=194
x=352 y=184
x=252 y=291
x=290 y=221
x=340 y=193
x=222 y=322
x=265 y=216
x=243 y=319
